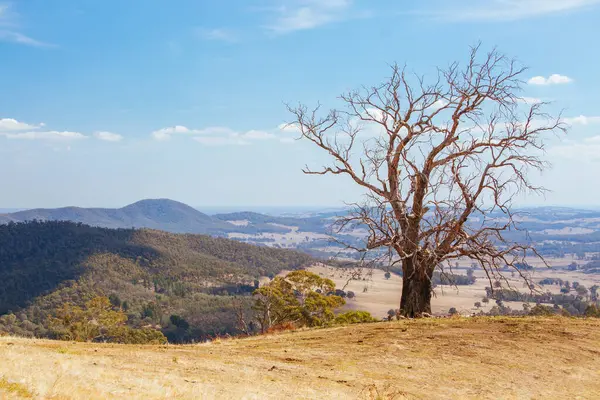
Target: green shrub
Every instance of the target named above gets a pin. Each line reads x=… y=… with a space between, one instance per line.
x=354 y=317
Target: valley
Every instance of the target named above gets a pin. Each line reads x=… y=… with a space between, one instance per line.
x=145 y=268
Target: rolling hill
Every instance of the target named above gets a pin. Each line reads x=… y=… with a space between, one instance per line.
x=456 y=358
x=162 y=214
x=156 y=274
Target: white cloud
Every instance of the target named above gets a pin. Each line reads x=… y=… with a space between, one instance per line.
x=554 y=79
x=503 y=10
x=215 y=131
x=220 y=135
x=297 y=15
x=166 y=133
x=48 y=135
x=440 y=103
x=12 y=125
x=593 y=139
x=220 y=141
x=529 y=100
x=257 y=135
x=108 y=136
x=289 y=128
x=581 y=120
x=218 y=34
x=587 y=150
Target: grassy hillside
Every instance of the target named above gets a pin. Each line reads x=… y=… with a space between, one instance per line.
x=470 y=358
x=150 y=274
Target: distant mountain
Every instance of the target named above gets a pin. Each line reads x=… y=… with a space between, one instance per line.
x=170 y=216
x=162 y=214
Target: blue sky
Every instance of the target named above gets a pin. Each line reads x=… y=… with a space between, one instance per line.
x=103 y=103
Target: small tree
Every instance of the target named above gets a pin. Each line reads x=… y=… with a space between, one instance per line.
x=388 y=275
x=485 y=300
x=581 y=290
x=594 y=292
x=477 y=304
x=98 y=321
x=428 y=157
x=294 y=299
x=452 y=311
x=471 y=275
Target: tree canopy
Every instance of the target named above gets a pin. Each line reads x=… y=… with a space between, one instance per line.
x=434 y=159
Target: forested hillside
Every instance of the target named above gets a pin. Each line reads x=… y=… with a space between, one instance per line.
x=180 y=283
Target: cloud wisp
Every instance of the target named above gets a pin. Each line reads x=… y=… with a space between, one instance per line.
x=46 y=135
x=13 y=129
x=507 y=10
x=108 y=136
x=225 y=136
x=10 y=32
x=299 y=15
x=586 y=150
x=217 y=35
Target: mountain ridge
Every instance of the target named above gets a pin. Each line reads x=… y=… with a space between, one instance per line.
x=162 y=214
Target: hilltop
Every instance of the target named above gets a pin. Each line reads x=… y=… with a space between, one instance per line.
x=468 y=358
x=163 y=214
x=150 y=274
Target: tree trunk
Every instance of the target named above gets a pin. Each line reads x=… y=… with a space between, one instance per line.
x=416 y=290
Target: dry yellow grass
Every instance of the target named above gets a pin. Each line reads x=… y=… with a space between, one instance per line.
x=553 y=358
x=384 y=294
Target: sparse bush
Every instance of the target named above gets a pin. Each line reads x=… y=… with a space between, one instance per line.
x=354 y=317
x=452 y=311
x=286 y=326
x=592 y=311
x=540 y=310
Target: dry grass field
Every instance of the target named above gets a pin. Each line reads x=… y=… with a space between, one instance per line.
x=454 y=358
x=383 y=294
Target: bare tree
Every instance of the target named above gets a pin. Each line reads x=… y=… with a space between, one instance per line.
x=435 y=160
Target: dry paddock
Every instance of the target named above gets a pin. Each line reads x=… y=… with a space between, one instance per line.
x=457 y=358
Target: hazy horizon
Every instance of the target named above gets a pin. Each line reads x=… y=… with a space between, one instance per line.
x=275 y=209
